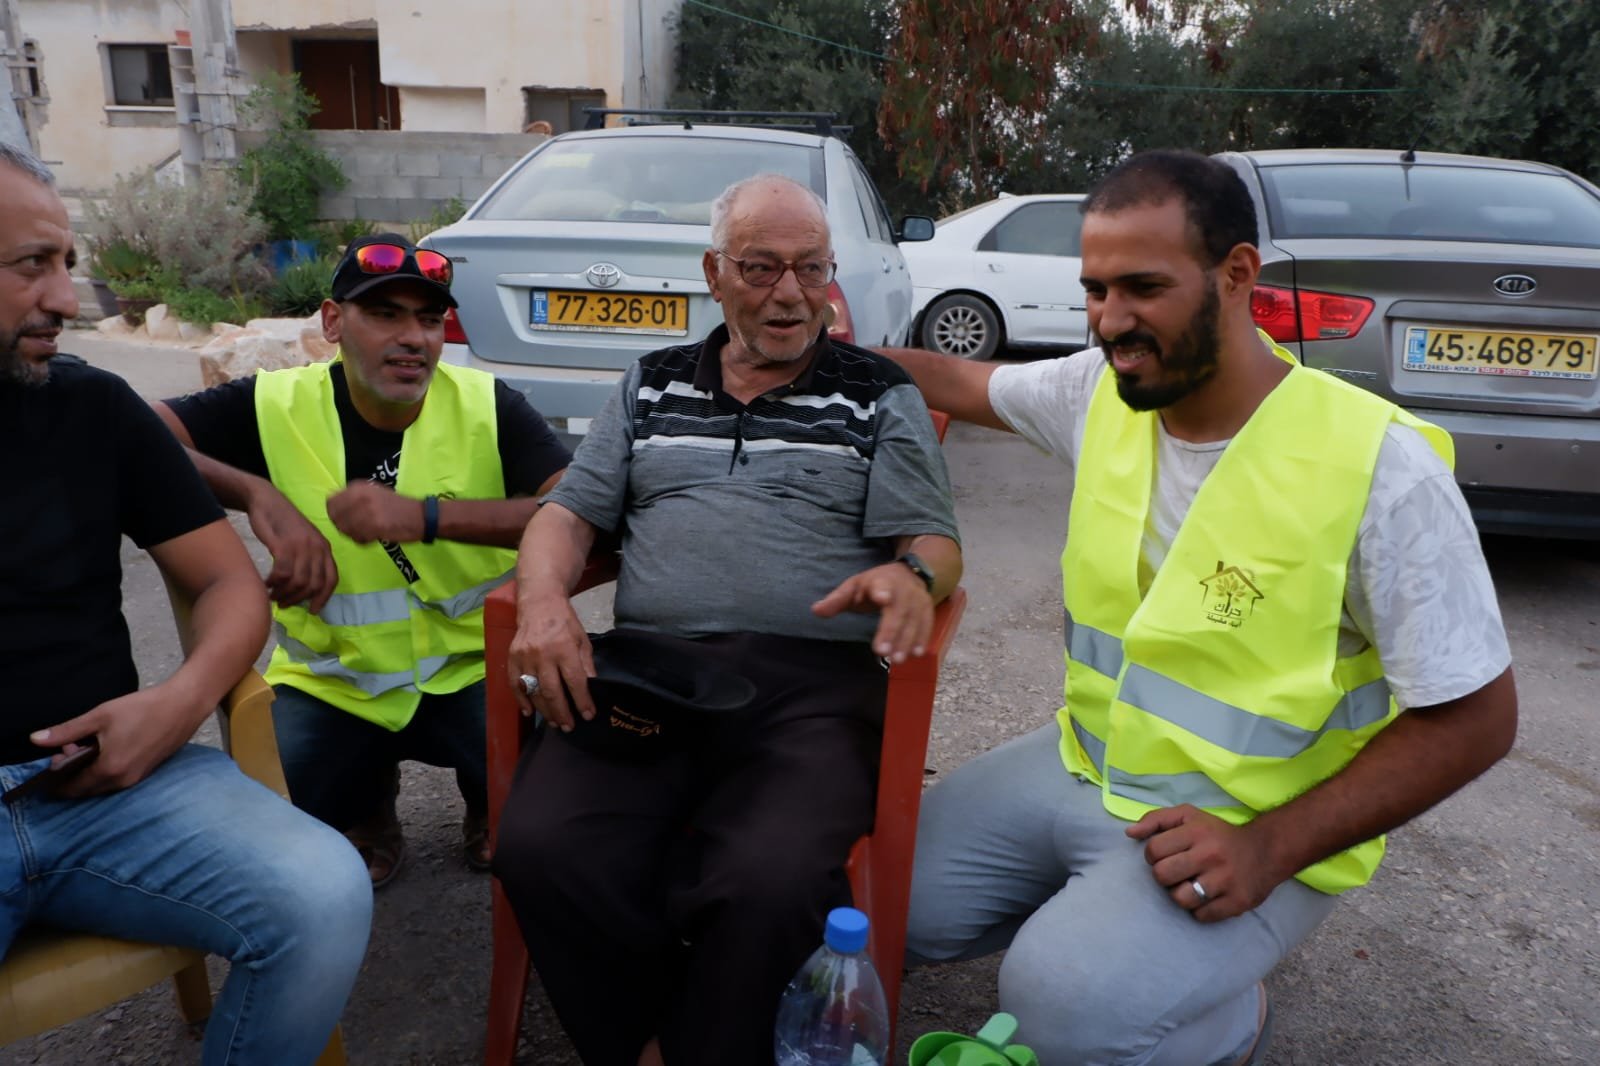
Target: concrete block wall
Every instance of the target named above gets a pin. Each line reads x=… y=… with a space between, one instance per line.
x=399 y=176
x=404 y=175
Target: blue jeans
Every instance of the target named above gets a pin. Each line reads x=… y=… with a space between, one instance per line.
x=340 y=768
x=199 y=855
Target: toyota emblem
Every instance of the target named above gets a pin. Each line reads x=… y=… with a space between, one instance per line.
x=1514 y=285
x=605 y=275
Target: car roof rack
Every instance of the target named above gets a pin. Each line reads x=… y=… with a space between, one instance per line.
x=822 y=123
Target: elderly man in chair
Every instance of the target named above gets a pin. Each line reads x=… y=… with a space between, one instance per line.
x=117 y=824
x=785 y=516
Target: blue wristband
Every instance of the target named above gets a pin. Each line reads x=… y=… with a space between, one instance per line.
x=430 y=518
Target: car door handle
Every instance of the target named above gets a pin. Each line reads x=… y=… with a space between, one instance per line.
x=996 y=268
x=886 y=267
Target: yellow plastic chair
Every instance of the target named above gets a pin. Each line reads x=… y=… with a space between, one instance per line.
x=51 y=977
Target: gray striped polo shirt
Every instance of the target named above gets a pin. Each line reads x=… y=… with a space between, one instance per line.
x=738 y=517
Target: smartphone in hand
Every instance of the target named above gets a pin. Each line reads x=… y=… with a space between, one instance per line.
x=53 y=776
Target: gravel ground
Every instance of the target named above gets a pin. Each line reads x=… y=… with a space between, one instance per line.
x=1474 y=945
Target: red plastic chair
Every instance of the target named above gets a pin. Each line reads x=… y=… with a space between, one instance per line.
x=879 y=865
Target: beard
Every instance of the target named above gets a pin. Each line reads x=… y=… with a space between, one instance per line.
x=1191 y=362
x=14 y=369
x=764 y=355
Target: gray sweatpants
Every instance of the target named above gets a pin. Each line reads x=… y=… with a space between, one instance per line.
x=1102 y=966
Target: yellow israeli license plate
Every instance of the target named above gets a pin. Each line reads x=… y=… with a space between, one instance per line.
x=1526 y=355
x=613 y=312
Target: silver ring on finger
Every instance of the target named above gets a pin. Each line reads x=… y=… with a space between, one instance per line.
x=1199 y=890
x=529 y=684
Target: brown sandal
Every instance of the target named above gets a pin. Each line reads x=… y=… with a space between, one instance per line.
x=475 y=842
x=382 y=845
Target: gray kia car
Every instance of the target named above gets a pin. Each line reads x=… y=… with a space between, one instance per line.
x=586 y=254
x=1465 y=289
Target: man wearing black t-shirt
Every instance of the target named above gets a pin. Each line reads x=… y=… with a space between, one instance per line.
x=155 y=839
x=389 y=490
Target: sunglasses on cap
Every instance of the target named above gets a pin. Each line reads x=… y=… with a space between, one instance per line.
x=390 y=258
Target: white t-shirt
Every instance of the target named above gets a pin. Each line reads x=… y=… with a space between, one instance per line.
x=1418 y=588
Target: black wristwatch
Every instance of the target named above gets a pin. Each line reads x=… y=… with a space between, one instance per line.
x=919 y=568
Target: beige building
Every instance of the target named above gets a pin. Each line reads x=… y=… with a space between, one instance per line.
x=108 y=86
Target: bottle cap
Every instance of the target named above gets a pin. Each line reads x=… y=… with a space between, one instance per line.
x=847 y=930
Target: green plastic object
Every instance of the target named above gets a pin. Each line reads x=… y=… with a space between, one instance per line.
x=991 y=1047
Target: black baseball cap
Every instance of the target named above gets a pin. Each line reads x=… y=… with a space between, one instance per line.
x=351 y=279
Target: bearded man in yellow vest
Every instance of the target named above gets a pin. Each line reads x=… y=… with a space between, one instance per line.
x=1282 y=642
x=390 y=490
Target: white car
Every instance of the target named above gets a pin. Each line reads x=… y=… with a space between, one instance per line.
x=1001 y=274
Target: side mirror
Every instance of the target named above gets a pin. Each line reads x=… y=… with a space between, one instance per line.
x=915 y=228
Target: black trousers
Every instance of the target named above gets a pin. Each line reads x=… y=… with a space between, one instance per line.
x=676 y=898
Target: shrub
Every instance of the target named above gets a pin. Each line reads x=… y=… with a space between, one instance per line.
x=286 y=172
x=117 y=260
x=333 y=236
x=203 y=234
x=302 y=287
x=245 y=306
x=137 y=289
x=201 y=306
x=443 y=214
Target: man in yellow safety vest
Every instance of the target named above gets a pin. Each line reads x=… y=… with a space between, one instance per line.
x=1281 y=642
x=390 y=489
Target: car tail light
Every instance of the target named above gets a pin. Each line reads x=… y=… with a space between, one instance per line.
x=1291 y=315
x=842 y=328
x=453 y=333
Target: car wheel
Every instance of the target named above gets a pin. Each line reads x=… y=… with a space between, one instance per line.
x=963 y=326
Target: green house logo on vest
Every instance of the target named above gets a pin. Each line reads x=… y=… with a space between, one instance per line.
x=1230 y=596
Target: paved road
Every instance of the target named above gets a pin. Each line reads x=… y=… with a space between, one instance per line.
x=1476 y=944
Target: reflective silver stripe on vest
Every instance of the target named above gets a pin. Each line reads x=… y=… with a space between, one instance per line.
x=1361 y=707
x=330 y=666
x=1236 y=729
x=370 y=683
x=1094 y=648
x=470 y=600
x=1093 y=746
x=1169 y=790
x=366 y=608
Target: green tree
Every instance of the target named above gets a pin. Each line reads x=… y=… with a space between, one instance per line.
x=824 y=55
x=1481 y=103
x=1347 y=49
x=1107 y=107
x=1517 y=78
x=969 y=86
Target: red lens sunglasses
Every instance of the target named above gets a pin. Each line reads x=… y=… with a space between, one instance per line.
x=388 y=258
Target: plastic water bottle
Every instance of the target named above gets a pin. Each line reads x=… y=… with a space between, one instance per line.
x=834 y=1013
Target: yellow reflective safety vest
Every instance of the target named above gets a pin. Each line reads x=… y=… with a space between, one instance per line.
x=1222 y=686
x=380 y=642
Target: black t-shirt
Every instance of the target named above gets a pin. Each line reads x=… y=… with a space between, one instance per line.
x=222 y=423
x=86 y=461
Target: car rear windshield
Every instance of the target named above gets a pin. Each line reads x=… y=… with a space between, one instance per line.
x=1441 y=203
x=643 y=179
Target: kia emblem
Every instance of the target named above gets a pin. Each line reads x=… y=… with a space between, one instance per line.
x=1514 y=285
x=605 y=275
